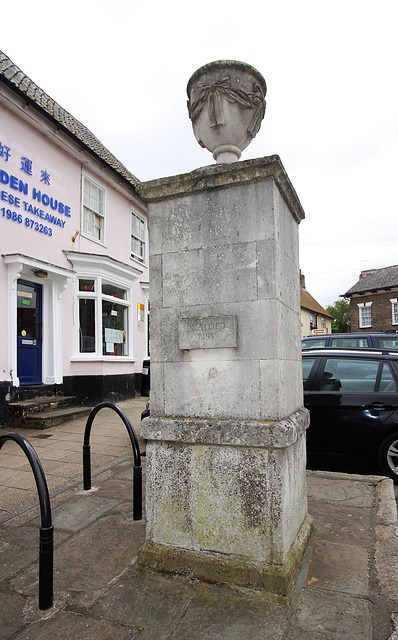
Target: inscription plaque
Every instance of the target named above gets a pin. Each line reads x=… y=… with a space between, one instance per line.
x=212 y=332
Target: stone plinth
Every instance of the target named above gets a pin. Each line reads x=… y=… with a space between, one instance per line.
x=226 y=495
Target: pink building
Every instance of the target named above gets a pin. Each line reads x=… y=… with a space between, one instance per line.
x=74 y=255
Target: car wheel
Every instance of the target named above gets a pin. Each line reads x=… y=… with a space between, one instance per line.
x=388 y=456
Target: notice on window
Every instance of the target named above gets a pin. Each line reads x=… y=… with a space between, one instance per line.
x=114 y=336
x=140 y=318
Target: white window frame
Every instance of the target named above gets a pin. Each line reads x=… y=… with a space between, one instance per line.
x=141 y=257
x=394 y=310
x=363 y=317
x=99 y=297
x=103 y=270
x=102 y=215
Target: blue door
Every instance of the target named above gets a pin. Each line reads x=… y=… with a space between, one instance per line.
x=29 y=325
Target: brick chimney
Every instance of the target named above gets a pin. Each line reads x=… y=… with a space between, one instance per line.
x=302 y=280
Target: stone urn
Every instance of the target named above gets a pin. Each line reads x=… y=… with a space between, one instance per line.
x=226 y=104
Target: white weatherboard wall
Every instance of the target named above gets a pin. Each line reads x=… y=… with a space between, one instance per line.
x=226 y=450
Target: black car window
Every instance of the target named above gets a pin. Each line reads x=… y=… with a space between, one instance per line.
x=387 y=343
x=387 y=383
x=313 y=344
x=307 y=366
x=348 y=374
x=350 y=343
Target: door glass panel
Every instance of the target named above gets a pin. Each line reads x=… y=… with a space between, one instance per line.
x=387 y=382
x=349 y=375
x=27 y=311
x=307 y=366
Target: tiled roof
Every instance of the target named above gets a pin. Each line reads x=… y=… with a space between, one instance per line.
x=308 y=302
x=13 y=76
x=374 y=280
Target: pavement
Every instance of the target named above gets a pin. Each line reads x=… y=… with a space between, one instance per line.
x=348 y=587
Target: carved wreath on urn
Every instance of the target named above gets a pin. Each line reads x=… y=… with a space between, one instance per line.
x=212 y=94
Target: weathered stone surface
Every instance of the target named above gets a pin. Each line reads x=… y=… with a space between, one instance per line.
x=226 y=437
x=244 y=501
x=210 y=332
x=339 y=567
x=248 y=433
x=149 y=603
x=327 y=616
x=233 y=618
x=67 y=624
x=273 y=581
x=248 y=172
x=86 y=509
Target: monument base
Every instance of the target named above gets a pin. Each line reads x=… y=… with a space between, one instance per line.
x=226 y=500
x=275 y=583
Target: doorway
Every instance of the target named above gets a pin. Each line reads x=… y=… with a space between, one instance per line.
x=29 y=332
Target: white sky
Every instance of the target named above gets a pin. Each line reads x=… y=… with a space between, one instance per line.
x=122 y=67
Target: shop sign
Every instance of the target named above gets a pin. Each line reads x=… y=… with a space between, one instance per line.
x=26 y=205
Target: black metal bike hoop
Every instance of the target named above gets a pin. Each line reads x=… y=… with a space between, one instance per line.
x=46 y=549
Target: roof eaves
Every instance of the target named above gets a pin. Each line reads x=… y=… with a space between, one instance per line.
x=72 y=127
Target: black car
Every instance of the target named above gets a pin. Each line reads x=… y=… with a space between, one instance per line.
x=352 y=396
x=386 y=340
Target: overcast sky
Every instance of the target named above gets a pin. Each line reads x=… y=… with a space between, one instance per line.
x=122 y=67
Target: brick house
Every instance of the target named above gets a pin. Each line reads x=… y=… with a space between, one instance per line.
x=374 y=300
x=314 y=318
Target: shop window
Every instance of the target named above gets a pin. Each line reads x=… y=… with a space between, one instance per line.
x=104 y=310
x=93 y=217
x=138 y=237
x=86 y=325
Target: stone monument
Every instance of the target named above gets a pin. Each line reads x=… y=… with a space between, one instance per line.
x=226 y=491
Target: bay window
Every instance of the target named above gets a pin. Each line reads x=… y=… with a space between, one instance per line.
x=103 y=309
x=103 y=316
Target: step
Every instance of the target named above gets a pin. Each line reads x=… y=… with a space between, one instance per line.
x=47 y=419
x=40 y=404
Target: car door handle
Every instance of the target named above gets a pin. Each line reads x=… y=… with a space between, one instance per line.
x=380 y=406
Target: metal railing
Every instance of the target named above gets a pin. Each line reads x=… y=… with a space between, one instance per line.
x=137 y=474
x=46 y=548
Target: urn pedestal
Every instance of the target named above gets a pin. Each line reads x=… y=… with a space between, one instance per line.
x=226 y=489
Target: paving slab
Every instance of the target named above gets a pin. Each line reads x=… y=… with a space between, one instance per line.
x=329 y=616
x=83 y=511
x=67 y=625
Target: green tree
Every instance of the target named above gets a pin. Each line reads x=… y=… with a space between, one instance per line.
x=340 y=311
